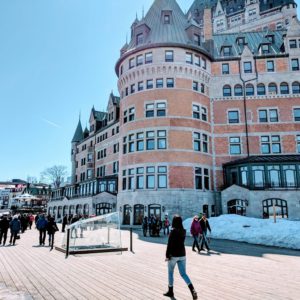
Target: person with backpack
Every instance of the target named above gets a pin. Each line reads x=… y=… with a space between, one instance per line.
x=175 y=255
x=204 y=226
x=41 y=225
x=195 y=232
x=51 y=229
x=15 y=227
x=4 y=226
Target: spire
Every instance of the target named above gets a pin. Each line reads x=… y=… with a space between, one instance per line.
x=78 y=136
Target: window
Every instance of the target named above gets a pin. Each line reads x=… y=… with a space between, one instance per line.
x=203 y=113
x=126 y=91
x=149 y=84
x=131 y=63
x=235 y=145
x=131 y=143
x=249 y=90
x=196 y=111
x=225 y=68
x=159 y=83
x=140 y=141
x=202 y=89
x=268 y=115
x=272 y=88
x=204 y=63
x=238 y=90
x=138 y=215
x=162 y=177
x=150 y=140
x=132 y=89
x=161 y=109
x=169 y=56
x=148 y=58
x=274 y=176
x=170 y=82
x=140 y=86
x=161 y=139
x=149 y=110
x=233 y=117
x=197 y=141
x=150 y=177
x=195 y=86
x=197 y=60
x=139 y=60
x=140 y=178
x=295 y=64
x=296 y=87
x=115 y=167
x=258 y=173
x=116 y=148
x=293 y=44
x=247 y=67
x=297 y=114
x=289 y=175
x=261 y=89
x=270 y=66
x=131 y=114
x=298 y=143
x=139 y=39
x=226 y=51
x=202 y=179
x=270 y=144
x=237 y=207
x=200 y=142
x=226 y=91
x=167 y=19
x=197 y=39
x=284 y=88
x=278 y=25
x=281 y=210
x=265 y=49
x=189 y=58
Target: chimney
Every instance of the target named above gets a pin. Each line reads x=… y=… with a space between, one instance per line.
x=207 y=24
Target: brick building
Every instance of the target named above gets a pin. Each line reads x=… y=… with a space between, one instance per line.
x=207 y=120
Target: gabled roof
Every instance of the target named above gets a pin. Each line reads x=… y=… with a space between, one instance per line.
x=78 y=136
x=98 y=115
x=115 y=99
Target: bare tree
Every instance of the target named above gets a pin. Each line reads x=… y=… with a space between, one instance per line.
x=55 y=175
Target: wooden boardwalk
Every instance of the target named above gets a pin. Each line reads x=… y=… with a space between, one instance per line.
x=231 y=271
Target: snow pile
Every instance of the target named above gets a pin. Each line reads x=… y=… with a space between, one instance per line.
x=284 y=233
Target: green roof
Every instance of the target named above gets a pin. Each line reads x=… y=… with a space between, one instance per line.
x=78 y=136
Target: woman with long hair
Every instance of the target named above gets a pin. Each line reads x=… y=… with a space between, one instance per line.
x=175 y=255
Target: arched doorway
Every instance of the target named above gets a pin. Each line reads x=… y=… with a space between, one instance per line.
x=280 y=206
x=155 y=210
x=237 y=207
x=126 y=214
x=138 y=214
x=103 y=209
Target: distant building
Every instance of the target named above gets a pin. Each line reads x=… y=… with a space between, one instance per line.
x=208 y=118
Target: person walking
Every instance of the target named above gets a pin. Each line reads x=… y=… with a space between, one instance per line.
x=64 y=223
x=51 y=229
x=175 y=255
x=4 y=226
x=30 y=220
x=145 y=226
x=15 y=227
x=204 y=226
x=166 y=225
x=41 y=225
x=195 y=232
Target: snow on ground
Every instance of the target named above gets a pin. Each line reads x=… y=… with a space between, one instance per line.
x=283 y=233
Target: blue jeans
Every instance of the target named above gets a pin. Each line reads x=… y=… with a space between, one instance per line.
x=181 y=262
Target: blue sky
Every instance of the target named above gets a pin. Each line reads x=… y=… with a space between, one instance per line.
x=57 y=59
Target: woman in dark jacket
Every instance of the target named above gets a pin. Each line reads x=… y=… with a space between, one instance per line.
x=175 y=254
x=51 y=229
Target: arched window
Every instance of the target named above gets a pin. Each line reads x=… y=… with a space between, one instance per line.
x=103 y=209
x=86 y=209
x=226 y=91
x=284 y=88
x=54 y=211
x=237 y=207
x=138 y=214
x=279 y=205
x=155 y=210
x=78 y=209
x=126 y=214
x=289 y=174
x=238 y=90
x=72 y=210
x=274 y=176
x=296 y=87
x=249 y=89
x=65 y=210
x=261 y=89
x=59 y=212
x=272 y=88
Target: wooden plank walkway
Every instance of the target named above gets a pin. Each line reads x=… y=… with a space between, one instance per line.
x=231 y=271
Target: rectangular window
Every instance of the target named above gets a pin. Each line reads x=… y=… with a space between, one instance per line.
x=140 y=141
x=139 y=39
x=197 y=141
x=162 y=177
x=295 y=64
x=225 y=68
x=270 y=66
x=140 y=86
x=203 y=113
x=204 y=63
x=198 y=179
x=235 y=145
x=293 y=44
x=131 y=114
x=170 y=82
x=189 y=58
x=247 y=67
x=161 y=139
x=202 y=88
x=263 y=116
x=139 y=60
x=149 y=110
x=205 y=143
x=196 y=111
x=197 y=39
x=273 y=115
x=159 y=83
x=149 y=84
x=233 y=117
x=140 y=180
x=270 y=115
x=148 y=58
x=132 y=89
x=270 y=144
x=167 y=19
x=150 y=140
x=265 y=49
x=131 y=143
x=297 y=114
x=298 y=143
x=197 y=60
x=160 y=109
x=169 y=56
x=131 y=63
x=150 y=178
x=226 y=51
x=195 y=85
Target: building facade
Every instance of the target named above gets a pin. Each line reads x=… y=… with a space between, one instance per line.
x=207 y=120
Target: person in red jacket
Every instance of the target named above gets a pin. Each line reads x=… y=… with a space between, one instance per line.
x=195 y=232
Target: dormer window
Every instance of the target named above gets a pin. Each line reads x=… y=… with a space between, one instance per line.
x=240 y=41
x=293 y=44
x=227 y=51
x=265 y=48
x=167 y=19
x=270 y=38
x=197 y=39
x=139 y=39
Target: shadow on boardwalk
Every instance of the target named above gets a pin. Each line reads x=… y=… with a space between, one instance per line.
x=219 y=247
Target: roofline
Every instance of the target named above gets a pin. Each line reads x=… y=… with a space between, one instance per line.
x=159 y=45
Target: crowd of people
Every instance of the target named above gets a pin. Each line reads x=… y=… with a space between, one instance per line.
x=154 y=225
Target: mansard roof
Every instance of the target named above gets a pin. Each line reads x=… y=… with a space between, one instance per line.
x=271 y=4
x=252 y=39
x=78 y=136
x=99 y=115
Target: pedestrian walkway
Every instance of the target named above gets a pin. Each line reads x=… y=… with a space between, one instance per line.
x=231 y=271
